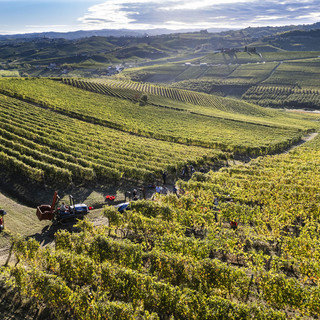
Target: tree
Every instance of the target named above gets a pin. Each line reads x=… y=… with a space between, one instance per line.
x=144 y=100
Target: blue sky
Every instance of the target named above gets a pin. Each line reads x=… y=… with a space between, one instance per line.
x=23 y=16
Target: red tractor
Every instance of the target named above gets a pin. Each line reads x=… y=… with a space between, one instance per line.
x=2 y=214
x=57 y=213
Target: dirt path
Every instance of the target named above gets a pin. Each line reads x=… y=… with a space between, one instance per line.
x=302 y=141
x=270 y=74
x=4 y=253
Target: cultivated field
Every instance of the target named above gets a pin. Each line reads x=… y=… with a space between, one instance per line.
x=55 y=134
x=238 y=236
x=173 y=256
x=178 y=256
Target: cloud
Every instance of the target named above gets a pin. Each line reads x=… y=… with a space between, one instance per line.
x=174 y=14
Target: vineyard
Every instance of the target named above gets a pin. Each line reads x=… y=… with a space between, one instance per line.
x=116 y=138
x=253 y=73
x=234 y=232
x=42 y=145
x=178 y=257
x=193 y=102
x=283 y=97
x=215 y=78
x=225 y=76
x=303 y=74
x=188 y=99
x=243 y=57
x=166 y=124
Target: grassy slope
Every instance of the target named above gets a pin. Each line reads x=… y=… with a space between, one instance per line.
x=19 y=217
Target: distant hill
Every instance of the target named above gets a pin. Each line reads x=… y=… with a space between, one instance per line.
x=256 y=32
x=298 y=40
x=102 y=33
x=76 y=34
x=261 y=32
x=91 y=53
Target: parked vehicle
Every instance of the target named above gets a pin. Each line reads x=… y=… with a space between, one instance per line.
x=59 y=213
x=2 y=214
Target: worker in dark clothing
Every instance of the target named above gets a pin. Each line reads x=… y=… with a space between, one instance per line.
x=143 y=192
x=134 y=195
x=186 y=171
x=127 y=195
x=164 y=177
x=175 y=190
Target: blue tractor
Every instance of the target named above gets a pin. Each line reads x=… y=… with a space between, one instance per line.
x=61 y=213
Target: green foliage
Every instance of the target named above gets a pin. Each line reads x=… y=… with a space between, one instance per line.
x=44 y=146
x=114 y=216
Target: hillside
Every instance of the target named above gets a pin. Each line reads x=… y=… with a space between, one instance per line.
x=179 y=256
x=295 y=40
x=118 y=139
x=240 y=74
x=234 y=231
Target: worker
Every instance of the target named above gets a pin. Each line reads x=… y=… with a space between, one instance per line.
x=164 y=177
x=143 y=192
x=175 y=190
x=63 y=208
x=233 y=225
x=134 y=195
x=127 y=195
x=186 y=171
x=2 y=213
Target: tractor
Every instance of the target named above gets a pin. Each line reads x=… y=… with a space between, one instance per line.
x=61 y=213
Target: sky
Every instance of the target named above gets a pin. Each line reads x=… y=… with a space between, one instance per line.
x=24 y=16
